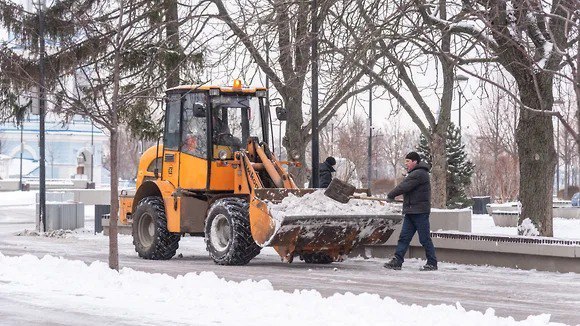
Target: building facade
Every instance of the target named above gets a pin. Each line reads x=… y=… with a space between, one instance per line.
x=73 y=150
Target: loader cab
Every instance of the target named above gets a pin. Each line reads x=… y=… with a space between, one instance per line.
x=204 y=127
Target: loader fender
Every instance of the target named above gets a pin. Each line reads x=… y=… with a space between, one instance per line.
x=165 y=190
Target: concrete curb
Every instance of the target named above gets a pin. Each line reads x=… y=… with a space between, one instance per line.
x=542 y=254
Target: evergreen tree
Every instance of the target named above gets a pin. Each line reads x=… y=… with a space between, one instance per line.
x=459 y=168
x=106 y=60
x=80 y=51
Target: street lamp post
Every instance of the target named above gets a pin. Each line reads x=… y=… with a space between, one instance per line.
x=556 y=103
x=557 y=156
x=332 y=139
x=21 y=150
x=314 y=106
x=370 y=148
x=460 y=79
x=93 y=150
x=42 y=117
x=268 y=93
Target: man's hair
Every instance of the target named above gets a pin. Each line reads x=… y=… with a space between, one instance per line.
x=413 y=156
x=331 y=161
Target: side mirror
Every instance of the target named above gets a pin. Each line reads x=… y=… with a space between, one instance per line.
x=198 y=110
x=281 y=113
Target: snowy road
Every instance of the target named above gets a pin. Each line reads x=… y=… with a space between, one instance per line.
x=510 y=292
x=24 y=311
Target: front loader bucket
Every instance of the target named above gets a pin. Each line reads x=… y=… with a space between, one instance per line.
x=334 y=235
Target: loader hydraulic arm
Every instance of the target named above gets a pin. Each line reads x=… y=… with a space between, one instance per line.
x=280 y=177
x=259 y=158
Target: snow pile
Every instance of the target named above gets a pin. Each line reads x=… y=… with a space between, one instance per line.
x=528 y=229
x=205 y=299
x=51 y=233
x=317 y=203
x=563 y=228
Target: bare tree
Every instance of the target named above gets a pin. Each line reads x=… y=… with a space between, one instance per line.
x=112 y=57
x=568 y=153
x=327 y=137
x=387 y=42
x=570 y=73
x=395 y=144
x=527 y=39
x=132 y=150
x=112 y=76
x=495 y=141
x=276 y=35
x=496 y=173
x=352 y=144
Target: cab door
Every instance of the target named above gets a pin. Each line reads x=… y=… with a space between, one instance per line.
x=193 y=162
x=172 y=139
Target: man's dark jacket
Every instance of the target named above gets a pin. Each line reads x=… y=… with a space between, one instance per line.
x=325 y=174
x=416 y=190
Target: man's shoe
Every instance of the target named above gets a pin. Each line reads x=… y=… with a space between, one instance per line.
x=428 y=267
x=394 y=263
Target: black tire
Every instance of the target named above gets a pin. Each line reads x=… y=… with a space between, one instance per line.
x=228 y=237
x=317 y=258
x=151 y=238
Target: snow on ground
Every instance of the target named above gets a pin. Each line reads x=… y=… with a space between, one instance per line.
x=563 y=228
x=17 y=198
x=204 y=299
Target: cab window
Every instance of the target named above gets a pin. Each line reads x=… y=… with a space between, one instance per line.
x=172 y=121
x=235 y=119
x=194 y=137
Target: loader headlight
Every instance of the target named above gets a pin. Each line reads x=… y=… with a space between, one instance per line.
x=222 y=154
x=261 y=94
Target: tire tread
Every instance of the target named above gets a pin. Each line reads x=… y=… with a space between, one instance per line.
x=243 y=248
x=165 y=243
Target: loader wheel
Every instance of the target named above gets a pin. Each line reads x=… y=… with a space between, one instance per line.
x=151 y=238
x=317 y=258
x=227 y=233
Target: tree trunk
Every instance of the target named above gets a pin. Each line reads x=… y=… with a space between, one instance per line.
x=301 y=174
x=439 y=134
x=535 y=139
x=173 y=51
x=294 y=141
x=438 y=170
x=113 y=238
x=114 y=145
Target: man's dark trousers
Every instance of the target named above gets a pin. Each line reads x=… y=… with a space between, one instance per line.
x=419 y=223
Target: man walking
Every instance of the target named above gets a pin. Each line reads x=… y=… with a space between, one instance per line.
x=416 y=191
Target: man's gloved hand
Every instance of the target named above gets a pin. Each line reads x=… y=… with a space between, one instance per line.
x=390 y=200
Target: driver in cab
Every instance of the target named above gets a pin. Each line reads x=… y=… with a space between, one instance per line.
x=221 y=132
x=190 y=143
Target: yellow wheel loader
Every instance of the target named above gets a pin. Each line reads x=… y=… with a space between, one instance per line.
x=214 y=176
